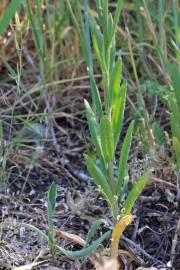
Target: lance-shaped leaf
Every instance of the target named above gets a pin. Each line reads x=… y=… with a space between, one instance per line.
x=52 y=194
x=134 y=194
x=118 y=113
x=94 y=129
x=107 y=139
x=115 y=83
x=124 y=157
x=100 y=179
x=98 y=44
x=116 y=19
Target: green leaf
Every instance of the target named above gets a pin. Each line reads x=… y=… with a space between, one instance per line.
x=98 y=44
x=116 y=19
x=124 y=157
x=99 y=10
x=94 y=129
x=52 y=194
x=87 y=39
x=107 y=140
x=118 y=113
x=100 y=179
x=115 y=83
x=93 y=230
x=110 y=23
x=105 y=20
x=95 y=95
x=175 y=78
x=176 y=146
x=134 y=194
x=8 y=15
x=88 y=250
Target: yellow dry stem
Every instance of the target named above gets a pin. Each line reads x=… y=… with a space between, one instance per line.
x=117 y=232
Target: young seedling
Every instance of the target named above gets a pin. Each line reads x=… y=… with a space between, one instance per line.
x=105 y=117
x=52 y=194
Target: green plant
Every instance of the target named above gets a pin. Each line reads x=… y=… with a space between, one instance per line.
x=105 y=118
x=52 y=194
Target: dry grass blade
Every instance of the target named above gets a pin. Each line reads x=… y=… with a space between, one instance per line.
x=71 y=237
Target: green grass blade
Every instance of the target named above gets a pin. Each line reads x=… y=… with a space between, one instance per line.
x=8 y=15
x=35 y=27
x=124 y=157
x=133 y=195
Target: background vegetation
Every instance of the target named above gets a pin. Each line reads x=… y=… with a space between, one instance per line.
x=45 y=49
